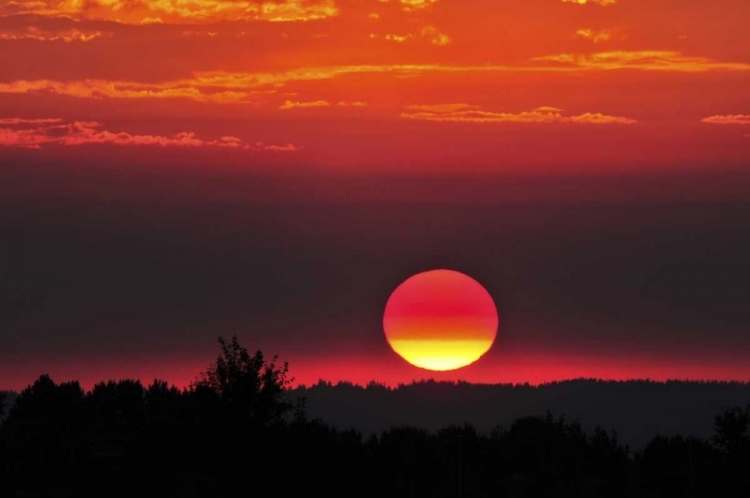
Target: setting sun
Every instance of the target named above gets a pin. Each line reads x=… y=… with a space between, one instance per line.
x=440 y=320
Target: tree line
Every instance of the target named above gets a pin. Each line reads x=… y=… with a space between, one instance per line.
x=235 y=431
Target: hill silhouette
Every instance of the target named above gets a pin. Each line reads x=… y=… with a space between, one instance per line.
x=638 y=409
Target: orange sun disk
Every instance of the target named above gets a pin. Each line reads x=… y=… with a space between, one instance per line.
x=440 y=320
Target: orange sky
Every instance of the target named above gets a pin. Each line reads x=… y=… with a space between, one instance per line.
x=384 y=85
x=584 y=158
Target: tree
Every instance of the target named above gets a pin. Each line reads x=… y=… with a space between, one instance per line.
x=48 y=403
x=732 y=437
x=248 y=385
x=162 y=401
x=732 y=429
x=44 y=433
x=119 y=414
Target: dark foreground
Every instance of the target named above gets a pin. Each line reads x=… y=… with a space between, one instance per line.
x=233 y=434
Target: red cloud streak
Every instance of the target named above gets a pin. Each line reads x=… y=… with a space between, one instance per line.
x=53 y=131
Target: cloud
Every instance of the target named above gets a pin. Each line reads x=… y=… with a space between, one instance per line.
x=442 y=108
x=435 y=36
x=194 y=32
x=644 y=60
x=279 y=148
x=36 y=34
x=249 y=88
x=151 y=20
x=603 y=3
x=304 y=105
x=319 y=103
x=20 y=121
x=734 y=119
x=466 y=113
x=243 y=81
x=98 y=89
x=176 y=11
x=37 y=133
x=352 y=104
x=412 y=5
x=595 y=36
x=429 y=33
x=548 y=109
x=393 y=37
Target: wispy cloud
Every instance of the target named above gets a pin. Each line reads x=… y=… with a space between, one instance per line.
x=246 y=87
x=98 y=89
x=603 y=3
x=304 y=105
x=466 y=113
x=37 y=34
x=289 y=104
x=151 y=20
x=221 y=86
x=37 y=133
x=442 y=108
x=594 y=35
x=431 y=34
x=412 y=5
x=176 y=11
x=24 y=121
x=729 y=119
x=644 y=60
x=278 y=148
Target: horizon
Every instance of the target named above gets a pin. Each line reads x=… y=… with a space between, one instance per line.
x=87 y=387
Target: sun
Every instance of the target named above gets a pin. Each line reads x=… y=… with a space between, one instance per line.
x=440 y=320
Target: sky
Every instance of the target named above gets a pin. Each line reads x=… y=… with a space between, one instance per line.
x=173 y=170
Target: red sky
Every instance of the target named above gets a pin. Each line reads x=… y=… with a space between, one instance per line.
x=373 y=84
x=173 y=170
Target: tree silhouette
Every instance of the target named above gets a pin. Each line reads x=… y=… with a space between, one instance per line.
x=3 y=451
x=248 y=385
x=229 y=435
x=732 y=437
x=44 y=432
x=118 y=411
x=677 y=466
x=732 y=430
x=3 y=395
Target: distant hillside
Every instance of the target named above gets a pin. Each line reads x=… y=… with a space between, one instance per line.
x=637 y=410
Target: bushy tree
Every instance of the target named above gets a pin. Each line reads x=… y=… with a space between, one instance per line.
x=732 y=430
x=248 y=385
x=732 y=438
x=43 y=431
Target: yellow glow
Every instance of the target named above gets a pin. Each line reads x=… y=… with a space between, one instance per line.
x=441 y=355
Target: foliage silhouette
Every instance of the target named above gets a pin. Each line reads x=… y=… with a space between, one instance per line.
x=732 y=437
x=248 y=386
x=236 y=430
x=733 y=430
